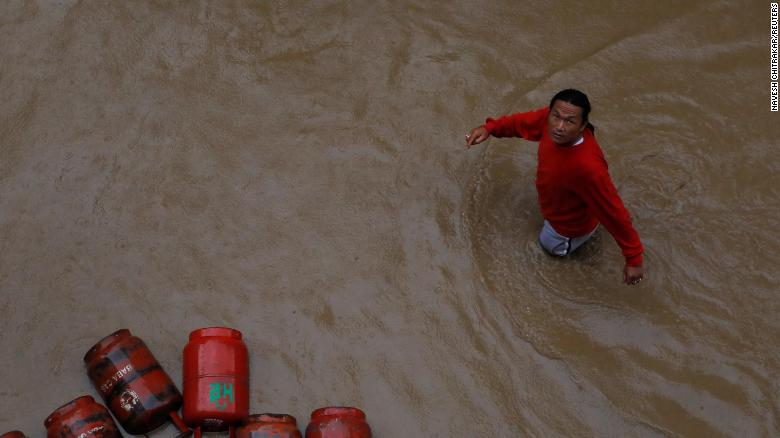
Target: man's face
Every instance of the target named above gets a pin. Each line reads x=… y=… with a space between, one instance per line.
x=565 y=123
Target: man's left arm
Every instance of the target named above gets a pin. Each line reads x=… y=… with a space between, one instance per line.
x=604 y=202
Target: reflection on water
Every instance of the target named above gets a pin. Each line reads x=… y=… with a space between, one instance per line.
x=296 y=170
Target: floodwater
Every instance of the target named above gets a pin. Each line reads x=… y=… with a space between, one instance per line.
x=296 y=170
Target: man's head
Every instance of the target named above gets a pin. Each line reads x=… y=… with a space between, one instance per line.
x=568 y=117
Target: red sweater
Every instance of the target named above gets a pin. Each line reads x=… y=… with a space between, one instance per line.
x=575 y=190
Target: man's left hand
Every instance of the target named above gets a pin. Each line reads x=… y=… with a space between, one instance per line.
x=633 y=274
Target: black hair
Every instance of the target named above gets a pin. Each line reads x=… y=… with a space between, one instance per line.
x=576 y=98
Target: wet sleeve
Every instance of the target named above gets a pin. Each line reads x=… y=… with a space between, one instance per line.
x=529 y=126
x=604 y=202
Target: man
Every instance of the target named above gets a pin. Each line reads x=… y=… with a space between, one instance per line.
x=575 y=191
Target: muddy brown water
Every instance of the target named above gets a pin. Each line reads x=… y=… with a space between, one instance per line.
x=296 y=170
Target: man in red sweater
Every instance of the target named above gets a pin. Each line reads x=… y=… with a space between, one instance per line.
x=575 y=191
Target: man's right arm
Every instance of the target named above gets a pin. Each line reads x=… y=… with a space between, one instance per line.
x=529 y=126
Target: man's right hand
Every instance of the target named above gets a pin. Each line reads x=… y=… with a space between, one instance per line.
x=476 y=136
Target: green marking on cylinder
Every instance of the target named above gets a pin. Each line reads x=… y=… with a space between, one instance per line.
x=221 y=394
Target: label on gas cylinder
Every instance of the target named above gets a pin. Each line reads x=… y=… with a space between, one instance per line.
x=221 y=395
x=120 y=374
x=92 y=431
x=129 y=400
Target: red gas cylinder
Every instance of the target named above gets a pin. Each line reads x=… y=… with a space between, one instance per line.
x=13 y=434
x=338 y=422
x=138 y=391
x=269 y=426
x=216 y=380
x=81 y=418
